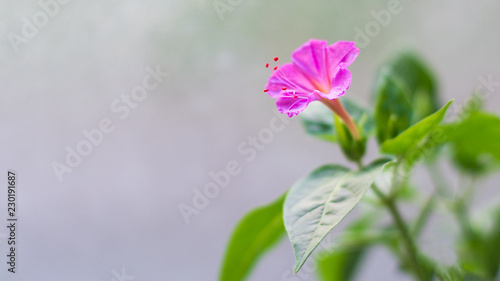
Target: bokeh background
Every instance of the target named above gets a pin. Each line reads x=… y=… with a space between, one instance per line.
x=119 y=209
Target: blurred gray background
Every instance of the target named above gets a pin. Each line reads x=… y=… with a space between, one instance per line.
x=118 y=210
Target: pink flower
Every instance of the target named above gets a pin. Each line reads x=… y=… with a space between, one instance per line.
x=317 y=72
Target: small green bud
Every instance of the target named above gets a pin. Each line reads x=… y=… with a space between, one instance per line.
x=353 y=149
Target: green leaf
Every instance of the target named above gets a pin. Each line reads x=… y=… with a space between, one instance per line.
x=318 y=120
x=340 y=263
x=393 y=110
x=421 y=83
x=405 y=93
x=472 y=277
x=447 y=273
x=479 y=251
x=318 y=202
x=256 y=233
x=493 y=249
x=413 y=136
x=474 y=141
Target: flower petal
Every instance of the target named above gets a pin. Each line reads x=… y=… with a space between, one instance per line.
x=292 y=105
x=310 y=59
x=340 y=83
x=317 y=72
x=341 y=53
x=289 y=77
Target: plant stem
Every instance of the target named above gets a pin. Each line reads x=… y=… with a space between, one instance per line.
x=458 y=206
x=403 y=229
x=359 y=163
x=337 y=107
x=424 y=215
x=405 y=233
x=460 y=210
x=389 y=202
x=436 y=174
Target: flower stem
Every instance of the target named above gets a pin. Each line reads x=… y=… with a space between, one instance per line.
x=424 y=215
x=403 y=229
x=389 y=202
x=458 y=205
x=410 y=244
x=336 y=106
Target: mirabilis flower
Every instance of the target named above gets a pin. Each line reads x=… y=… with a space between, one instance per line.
x=317 y=73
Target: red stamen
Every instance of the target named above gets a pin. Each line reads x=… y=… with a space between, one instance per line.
x=267 y=65
x=266 y=90
x=284 y=88
x=276 y=59
x=275 y=67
